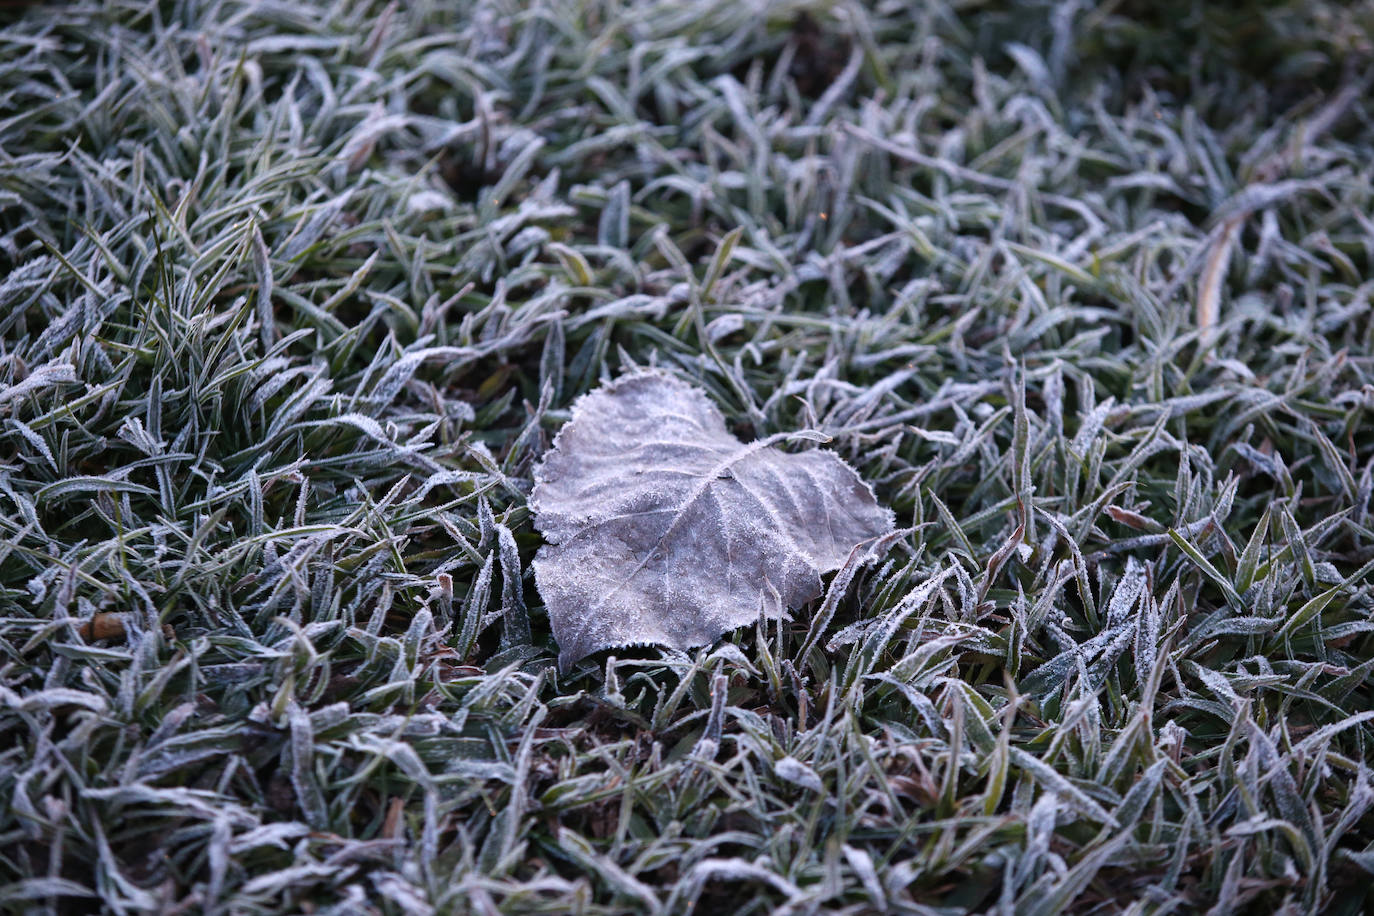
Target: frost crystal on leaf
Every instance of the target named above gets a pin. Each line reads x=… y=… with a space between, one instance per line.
x=663 y=528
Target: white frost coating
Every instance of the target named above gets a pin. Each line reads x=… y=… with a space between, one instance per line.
x=663 y=528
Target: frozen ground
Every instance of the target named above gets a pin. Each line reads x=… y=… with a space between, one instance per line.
x=294 y=296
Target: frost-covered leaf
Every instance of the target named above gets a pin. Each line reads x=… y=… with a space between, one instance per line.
x=664 y=528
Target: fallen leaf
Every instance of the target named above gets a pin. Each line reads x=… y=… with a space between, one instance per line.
x=1214 y=273
x=102 y=626
x=662 y=528
x=392 y=825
